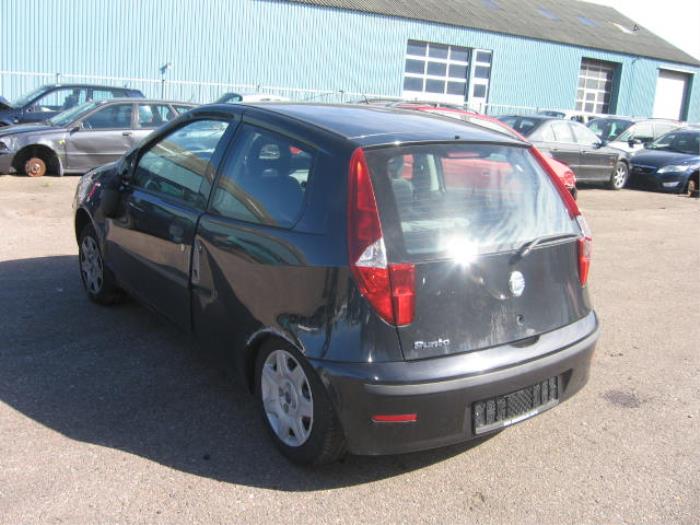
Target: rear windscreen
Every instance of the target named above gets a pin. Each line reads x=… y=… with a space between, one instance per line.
x=464 y=198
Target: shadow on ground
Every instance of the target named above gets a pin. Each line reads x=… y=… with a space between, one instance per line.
x=121 y=378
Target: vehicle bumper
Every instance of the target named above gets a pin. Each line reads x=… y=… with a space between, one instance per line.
x=441 y=394
x=669 y=183
x=6 y=163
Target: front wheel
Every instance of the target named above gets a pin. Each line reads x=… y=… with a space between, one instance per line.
x=693 y=190
x=619 y=178
x=98 y=282
x=35 y=167
x=295 y=406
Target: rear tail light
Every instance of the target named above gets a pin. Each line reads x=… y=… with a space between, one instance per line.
x=389 y=288
x=585 y=247
x=585 y=243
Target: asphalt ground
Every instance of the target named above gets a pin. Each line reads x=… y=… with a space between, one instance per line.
x=107 y=415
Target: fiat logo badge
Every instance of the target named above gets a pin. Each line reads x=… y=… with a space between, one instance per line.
x=516 y=283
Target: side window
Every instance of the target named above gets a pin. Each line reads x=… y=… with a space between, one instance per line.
x=264 y=179
x=105 y=94
x=584 y=135
x=663 y=127
x=643 y=131
x=562 y=132
x=61 y=99
x=545 y=133
x=154 y=115
x=117 y=116
x=177 y=165
x=182 y=109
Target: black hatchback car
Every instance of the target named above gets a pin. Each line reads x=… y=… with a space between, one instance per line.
x=385 y=281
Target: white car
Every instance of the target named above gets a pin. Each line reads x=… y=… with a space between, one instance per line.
x=630 y=134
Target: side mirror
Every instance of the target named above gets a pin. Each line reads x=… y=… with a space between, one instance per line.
x=634 y=142
x=74 y=129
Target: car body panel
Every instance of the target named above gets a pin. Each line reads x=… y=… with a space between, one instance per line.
x=645 y=166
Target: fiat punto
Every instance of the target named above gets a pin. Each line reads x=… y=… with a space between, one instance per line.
x=383 y=280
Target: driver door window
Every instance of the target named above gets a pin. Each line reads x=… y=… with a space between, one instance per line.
x=117 y=116
x=584 y=135
x=60 y=100
x=177 y=166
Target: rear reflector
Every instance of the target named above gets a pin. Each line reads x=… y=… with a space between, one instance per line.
x=389 y=288
x=395 y=418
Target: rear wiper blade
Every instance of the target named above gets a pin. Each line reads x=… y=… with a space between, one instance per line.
x=526 y=248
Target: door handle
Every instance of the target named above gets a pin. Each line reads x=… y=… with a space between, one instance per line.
x=195 y=262
x=127 y=133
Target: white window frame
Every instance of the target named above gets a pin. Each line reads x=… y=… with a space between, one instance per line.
x=595 y=99
x=446 y=78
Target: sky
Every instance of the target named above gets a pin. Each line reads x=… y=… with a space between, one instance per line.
x=676 y=21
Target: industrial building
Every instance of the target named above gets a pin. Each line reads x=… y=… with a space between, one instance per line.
x=494 y=55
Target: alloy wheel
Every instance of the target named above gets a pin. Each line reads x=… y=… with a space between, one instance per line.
x=620 y=176
x=287 y=399
x=91 y=265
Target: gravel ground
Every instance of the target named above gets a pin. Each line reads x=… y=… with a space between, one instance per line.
x=108 y=416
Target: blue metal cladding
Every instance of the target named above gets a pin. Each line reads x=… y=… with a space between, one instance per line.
x=277 y=43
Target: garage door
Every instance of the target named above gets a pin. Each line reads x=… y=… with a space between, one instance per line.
x=671 y=88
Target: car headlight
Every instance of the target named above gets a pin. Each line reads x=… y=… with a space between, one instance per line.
x=674 y=168
x=84 y=185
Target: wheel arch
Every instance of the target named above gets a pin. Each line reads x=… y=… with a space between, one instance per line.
x=253 y=346
x=82 y=219
x=50 y=156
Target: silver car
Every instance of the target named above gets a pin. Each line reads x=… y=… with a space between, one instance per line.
x=83 y=137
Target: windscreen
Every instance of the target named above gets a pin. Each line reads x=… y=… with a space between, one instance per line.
x=465 y=200
x=70 y=115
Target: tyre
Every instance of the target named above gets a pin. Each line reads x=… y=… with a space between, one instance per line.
x=693 y=190
x=295 y=407
x=619 y=178
x=35 y=166
x=98 y=281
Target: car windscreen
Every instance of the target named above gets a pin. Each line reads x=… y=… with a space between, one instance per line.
x=26 y=99
x=523 y=125
x=471 y=198
x=66 y=117
x=609 y=129
x=686 y=142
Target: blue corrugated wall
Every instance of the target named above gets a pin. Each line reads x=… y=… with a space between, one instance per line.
x=277 y=43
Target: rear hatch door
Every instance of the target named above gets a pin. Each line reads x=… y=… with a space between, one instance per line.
x=467 y=216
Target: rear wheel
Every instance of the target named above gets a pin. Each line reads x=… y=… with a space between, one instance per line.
x=619 y=178
x=295 y=406
x=98 y=281
x=35 y=167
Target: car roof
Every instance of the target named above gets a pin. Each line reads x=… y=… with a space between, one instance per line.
x=99 y=86
x=132 y=100
x=367 y=125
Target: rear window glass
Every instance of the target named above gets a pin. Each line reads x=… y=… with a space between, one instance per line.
x=470 y=199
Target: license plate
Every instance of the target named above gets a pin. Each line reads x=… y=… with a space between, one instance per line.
x=499 y=412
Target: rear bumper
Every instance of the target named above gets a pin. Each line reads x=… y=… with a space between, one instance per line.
x=442 y=400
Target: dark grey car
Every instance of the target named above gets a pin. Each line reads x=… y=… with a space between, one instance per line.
x=576 y=146
x=83 y=137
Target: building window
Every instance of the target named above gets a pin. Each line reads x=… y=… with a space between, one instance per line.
x=436 y=71
x=595 y=86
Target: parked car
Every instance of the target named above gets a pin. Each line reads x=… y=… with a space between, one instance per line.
x=246 y=98
x=576 y=146
x=48 y=101
x=630 y=135
x=83 y=137
x=671 y=163
x=368 y=311
x=562 y=170
x=576 y=116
